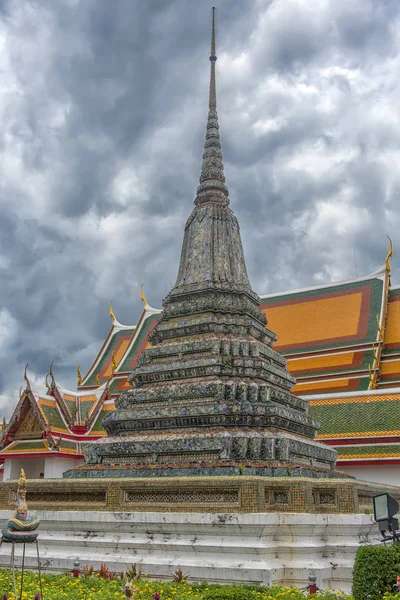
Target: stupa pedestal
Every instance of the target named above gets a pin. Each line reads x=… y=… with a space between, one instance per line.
x=239 y=548
x=199 y=494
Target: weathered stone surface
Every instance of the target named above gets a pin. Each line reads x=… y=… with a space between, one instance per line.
x=222 y=547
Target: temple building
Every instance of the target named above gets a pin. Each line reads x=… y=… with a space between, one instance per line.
x=341 y=342
x=47 y=432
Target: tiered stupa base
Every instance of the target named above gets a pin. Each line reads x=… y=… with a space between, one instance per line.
x=269 y=469
x=209 y=453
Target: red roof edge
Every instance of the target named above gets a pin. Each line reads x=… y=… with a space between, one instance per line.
x=79 y=429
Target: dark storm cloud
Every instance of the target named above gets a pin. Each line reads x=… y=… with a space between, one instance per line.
x=103 y=108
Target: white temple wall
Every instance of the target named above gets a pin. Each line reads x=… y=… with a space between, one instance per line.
x=33 y=467
x=55 y=466
x=241 y=548
x=389 y=474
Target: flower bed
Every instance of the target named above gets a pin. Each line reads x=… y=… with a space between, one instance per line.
x=94 y=587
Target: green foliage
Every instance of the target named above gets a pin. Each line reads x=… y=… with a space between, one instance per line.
x=105 y=573
x=231 y=593
x=88 y=571
x=94 y=587
x=134 y=573
x=375 y=571
x=180 y=576
x=65 y=587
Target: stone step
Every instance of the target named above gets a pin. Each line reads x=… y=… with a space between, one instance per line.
x=254 y=548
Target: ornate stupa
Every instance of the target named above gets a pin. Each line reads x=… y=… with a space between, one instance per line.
x=211 y=396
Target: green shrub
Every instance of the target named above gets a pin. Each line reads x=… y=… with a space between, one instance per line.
x=375 y=571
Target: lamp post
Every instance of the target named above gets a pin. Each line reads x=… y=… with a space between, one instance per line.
x=385 y=507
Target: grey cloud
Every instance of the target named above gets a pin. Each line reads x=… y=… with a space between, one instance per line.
x=103 y=109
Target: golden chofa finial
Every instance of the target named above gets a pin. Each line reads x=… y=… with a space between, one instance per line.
x=98 y=380
x=389 y=254
x=80 y=380
x=50 y=374
x=113 y=362
x=28 y=385
x=142 y=296
x=114 y=318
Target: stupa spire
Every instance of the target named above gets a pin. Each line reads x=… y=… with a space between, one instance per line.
x=212 y=104
x=212 y=180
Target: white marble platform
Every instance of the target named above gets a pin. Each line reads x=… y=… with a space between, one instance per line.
x=253 y=548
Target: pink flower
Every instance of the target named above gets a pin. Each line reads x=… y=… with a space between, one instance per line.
x=37 y=597
x=5 y=597
x=156 y=596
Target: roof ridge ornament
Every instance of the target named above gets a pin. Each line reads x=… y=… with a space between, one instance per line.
x=112 y=315
x=28 y=385
x=142 y=297
x=50 y=374
x=80 y=380
x=389 y=254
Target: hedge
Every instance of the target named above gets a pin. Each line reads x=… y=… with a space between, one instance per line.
x=375 y=571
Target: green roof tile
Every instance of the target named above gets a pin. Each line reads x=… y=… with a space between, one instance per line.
x=357 y=417
x=370 y=450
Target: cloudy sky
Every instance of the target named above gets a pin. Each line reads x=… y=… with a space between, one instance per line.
x=103 y=107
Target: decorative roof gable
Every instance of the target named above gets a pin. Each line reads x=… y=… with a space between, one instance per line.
x=27 y=419
x=120 y=352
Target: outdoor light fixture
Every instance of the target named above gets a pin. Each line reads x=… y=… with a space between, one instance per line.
x=385 y=507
